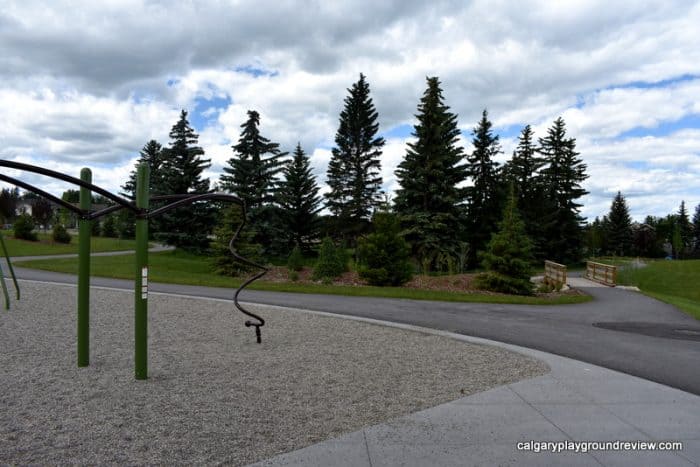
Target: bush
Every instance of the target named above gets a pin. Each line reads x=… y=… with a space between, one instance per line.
x=24 y=228
x=295 y=262
x=60 y=234
x=331 y=262
x=95 y=228
x=383 y=256
x=109 y=227
x=509 y=256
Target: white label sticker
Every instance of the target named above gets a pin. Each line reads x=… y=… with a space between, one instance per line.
x=144 y=283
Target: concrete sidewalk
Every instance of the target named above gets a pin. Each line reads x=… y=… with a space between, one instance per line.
x=575 y=402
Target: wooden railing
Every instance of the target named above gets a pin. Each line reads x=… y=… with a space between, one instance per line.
x=603 y=273
x=554 y=273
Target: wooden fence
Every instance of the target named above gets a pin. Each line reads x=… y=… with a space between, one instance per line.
x=554 y=273
x=603 y=273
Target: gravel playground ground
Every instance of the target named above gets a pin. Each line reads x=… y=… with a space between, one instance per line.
x=214 y=395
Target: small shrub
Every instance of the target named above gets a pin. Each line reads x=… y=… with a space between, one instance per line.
x=293 y=275
x=384 y=256
x=60 y=234
x=295 y=262
x=331 y=263
x=498 y=282
x=24 y=228
x=109 y=227
x=95 y=227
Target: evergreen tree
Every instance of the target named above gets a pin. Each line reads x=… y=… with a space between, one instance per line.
x=509 y=256
x=254 y=167
x=9 y=198
x=523 y=172
x=253 y=176
x=331 y=261
x=429 y=200
x=484 y=197
x=696 y=230
x=186 y=227
x=594 y=238
x=299 y=201
x=354 y=169
x=685 y=230
x=152 y=154
x=384 y=255
x=619 y=228
x=222 y=260
x=562 y=176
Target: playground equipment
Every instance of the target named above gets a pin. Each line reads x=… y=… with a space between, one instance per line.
x=12 y=274
x=140 y=208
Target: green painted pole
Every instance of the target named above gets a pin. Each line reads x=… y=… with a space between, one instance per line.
x=4 y=286
x=85 y=230
x=141 y=283
x=9 y=264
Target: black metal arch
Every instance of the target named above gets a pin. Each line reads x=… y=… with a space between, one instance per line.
x=124 y=203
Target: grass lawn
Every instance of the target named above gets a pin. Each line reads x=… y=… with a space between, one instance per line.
x=46 y=245
x=177 y=267
x=674 y=282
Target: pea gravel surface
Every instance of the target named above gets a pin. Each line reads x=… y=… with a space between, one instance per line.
x=213 y=395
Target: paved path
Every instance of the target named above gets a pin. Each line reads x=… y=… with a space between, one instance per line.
x=652 y=351
x=575 y=402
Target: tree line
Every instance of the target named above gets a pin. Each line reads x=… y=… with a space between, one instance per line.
x=675 y=235
x=448 y=203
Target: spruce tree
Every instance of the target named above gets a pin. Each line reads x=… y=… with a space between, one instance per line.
x=253 y=176
x=299 y=201
x=253 y=170
x=182 y=165
x=696 y=231
x=685 y=230
x=354 y=169
x=484 y=197
x=428 y=199
x=562 y=176
x=619 y=227
x=509 y=257
x=152 y=154
x=384 y=255
x=523 y=172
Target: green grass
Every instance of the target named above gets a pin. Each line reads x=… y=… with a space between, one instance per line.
x=46 y=245
x=177 y=267
x=674 y=282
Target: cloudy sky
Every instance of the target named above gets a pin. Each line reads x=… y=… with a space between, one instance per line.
x=89 y=85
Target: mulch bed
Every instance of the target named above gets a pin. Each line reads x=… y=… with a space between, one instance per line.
x=460 y=283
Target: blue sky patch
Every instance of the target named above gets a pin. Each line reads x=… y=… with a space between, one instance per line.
x=664 y=128
x=255 y=71
x=206 y=110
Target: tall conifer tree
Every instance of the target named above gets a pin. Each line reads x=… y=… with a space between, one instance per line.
x=299 y=201
x=187 y=227
x=485 y=196
x=253 y=175
x=429 y=200
x=354 y=169
x=696 y=230
x=562 y=176
x=685 y=229
x=522 y=171
x=152 y=154
x=619 y=227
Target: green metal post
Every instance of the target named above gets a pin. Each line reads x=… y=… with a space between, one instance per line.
x=9 y=264
x=141 y=283
x=4 y=286
x=85 y=230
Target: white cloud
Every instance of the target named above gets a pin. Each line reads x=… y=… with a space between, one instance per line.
x=86 y=84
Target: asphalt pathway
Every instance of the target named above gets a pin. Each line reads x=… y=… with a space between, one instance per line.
x=620 y=329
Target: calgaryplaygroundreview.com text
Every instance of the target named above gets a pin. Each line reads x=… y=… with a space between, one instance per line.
x=587 y=446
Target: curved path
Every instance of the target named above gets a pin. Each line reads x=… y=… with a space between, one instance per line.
x=664 y=347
